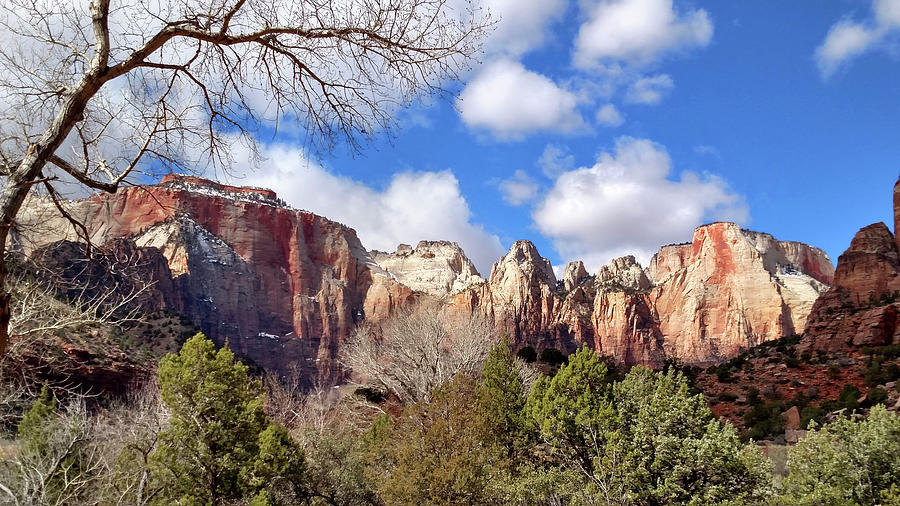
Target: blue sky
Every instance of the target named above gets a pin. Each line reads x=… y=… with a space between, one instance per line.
x=597 y=128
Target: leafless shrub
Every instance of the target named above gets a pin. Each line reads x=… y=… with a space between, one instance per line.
x=419 y=349
x=299 y=410
x=37 y=305
x=528 y=373
x=60 y=469
x=128 y=434
x=48 y=304
x=87 y=458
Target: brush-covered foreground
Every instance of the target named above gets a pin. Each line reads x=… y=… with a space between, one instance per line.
x=212 y=434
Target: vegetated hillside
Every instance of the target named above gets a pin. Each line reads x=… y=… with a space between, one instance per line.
x=776 y=388
x=87 y=323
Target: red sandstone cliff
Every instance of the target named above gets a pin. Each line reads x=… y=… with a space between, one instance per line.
x=285 y=287
x=861 y=308
x=731 y=294
x=727 y=290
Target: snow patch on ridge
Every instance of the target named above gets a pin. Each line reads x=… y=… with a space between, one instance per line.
x=210 y=191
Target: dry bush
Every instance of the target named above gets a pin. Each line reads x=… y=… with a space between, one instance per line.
x=419 y=349
x=299 y=410
x=82 y=457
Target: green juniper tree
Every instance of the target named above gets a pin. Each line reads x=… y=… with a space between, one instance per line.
x=643 y=440
x=674 y=451
x=847 y=462
x=438 y=451
x=220 y=445
x=499 y=396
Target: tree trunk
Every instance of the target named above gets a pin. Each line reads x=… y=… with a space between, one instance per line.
x=39 y=153
x=11 y=199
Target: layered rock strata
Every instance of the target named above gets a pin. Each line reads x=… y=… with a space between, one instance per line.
x=286 y=287
x=437 y=268
x=727 y=290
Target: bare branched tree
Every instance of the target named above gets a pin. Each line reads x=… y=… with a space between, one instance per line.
x=61 y=468
x=38 y=308
x=418 y=350
x=96 y=93
x=296 y=407
x=129 y=434
x=87 y=458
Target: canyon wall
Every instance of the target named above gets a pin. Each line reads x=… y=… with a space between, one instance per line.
x=285 y=287
x=702 y=302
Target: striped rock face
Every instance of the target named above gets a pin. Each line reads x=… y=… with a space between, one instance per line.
x=286 y=287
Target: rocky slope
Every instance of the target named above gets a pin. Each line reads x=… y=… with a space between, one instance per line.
x=285 y=287
x=861 y=308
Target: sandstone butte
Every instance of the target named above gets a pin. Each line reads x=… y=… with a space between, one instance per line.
x=862 y=307
x=285 y=287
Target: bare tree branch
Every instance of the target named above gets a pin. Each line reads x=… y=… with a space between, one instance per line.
x=174 y=84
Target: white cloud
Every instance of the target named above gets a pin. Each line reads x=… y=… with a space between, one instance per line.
x=847 y=39
x=555 y=160
x=637 y=31
x=511 y=101
x=649 y=90
x=626 y=204
x=608 y=115
x=414 y=205
x=887 y=12
x=707 y=150
x=521 y=24
x=518 y=189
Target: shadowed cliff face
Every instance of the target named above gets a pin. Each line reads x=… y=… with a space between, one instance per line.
x=861 y=308
x=286 y=287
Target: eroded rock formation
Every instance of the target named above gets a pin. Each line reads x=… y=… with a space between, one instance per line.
x=861 y=308
x=727 y=290
x=285 y=287
x=437 y=268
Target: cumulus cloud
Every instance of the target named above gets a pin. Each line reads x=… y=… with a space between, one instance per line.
x=521 y=24
x=518 y=189
x=637 y=31
x=847 y=39
x=510 y=101
x=608 y=115
x=414 y=205
x=555 y=160
x=626 y=203
x=649 y=90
